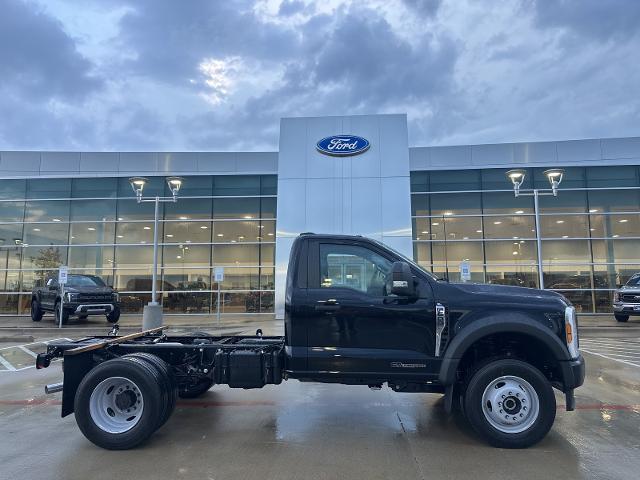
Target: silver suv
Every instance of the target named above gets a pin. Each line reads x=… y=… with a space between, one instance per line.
x=626 y=300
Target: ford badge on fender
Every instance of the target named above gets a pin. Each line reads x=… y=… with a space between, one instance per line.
x=343 y=145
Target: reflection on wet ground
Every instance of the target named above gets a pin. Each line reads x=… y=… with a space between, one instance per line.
x=311 y=431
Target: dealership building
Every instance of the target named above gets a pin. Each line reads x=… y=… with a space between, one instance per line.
x=451 y=208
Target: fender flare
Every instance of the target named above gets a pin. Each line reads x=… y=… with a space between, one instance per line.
x=515 y=323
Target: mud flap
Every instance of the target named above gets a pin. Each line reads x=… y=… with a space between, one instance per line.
x=448 y=399
x=75 y=367
x=571 y=400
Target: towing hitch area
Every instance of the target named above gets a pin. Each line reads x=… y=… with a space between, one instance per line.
x=43 y=360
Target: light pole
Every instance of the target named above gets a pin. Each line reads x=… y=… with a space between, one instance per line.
x=554 y=175
x=152 y=312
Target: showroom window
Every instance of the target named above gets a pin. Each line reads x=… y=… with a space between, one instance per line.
x=95 y=226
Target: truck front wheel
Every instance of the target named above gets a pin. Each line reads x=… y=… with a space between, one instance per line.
x=510 y=403
x=114 y=315
x=65 y=314
x=36 y=311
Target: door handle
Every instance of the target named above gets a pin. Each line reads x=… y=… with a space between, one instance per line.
x=329 y=305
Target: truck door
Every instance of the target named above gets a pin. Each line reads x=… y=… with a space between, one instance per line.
x=353 y=325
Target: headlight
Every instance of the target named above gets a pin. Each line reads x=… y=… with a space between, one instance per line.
x=571 y=331
x=616 y=296
x=70 y=297
x=115 y=297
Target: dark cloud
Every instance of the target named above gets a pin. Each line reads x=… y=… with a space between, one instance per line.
x=38 y=59
x=598 y=19
x=424 y=7
x=291 y=7
x=509 y=71
x=169 y=39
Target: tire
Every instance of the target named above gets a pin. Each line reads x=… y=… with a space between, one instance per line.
x=36 y=311
x=194 y=391
x=169 y=382
x=114 y=315
x=65 y=314
x=621 y=318
x=532 y=404
x=83 y=317
x=101 y=412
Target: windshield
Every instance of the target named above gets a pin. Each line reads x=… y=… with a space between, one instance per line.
x=406 y=259
x=634 y=281
x=83 y=281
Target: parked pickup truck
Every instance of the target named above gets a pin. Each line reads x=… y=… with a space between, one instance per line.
x=357 y=313
x=626 y=300
x=83 y=295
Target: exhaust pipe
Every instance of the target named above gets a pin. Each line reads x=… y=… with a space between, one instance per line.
x=53 y=388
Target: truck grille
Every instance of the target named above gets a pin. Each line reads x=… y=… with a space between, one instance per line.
x=630 y=297
x=94 y=298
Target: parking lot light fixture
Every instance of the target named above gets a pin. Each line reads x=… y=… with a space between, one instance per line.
x=517 y=177
x=175 y=183
x=152 y=312
x=137 y=184
x=555 y=177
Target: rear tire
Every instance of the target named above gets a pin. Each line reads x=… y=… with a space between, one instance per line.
x=65 y=314
x=621 y=318
x=169 y=382
x=114 y=315
x=36 y=311
x=118 y=403
x=510 y=403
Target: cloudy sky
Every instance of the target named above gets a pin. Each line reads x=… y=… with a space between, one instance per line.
x=219 y=74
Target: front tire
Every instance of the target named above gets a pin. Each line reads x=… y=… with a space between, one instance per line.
x=621 y=318
x=65 y=314
x=36 y=311
x=510 y=403
x=119 y=403
x=114 y=315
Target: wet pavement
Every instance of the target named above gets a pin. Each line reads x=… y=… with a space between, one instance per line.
x=310 y=431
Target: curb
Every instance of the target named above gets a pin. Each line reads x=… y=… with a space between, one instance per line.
x=16 y=339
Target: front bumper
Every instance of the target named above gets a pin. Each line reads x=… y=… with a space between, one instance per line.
x=573 y=373
x=627 y=308
x=76 y=308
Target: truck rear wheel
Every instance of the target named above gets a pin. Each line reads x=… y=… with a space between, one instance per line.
x=510 y=403
x=621 y=318
x=118 y=403
x=169 y=386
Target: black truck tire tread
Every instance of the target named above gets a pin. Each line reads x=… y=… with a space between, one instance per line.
x=170 y=385
x=473 y=400
x=36 y=313
x=621 y=318
x=65 y=314
x=149 y=382
x=114 y=315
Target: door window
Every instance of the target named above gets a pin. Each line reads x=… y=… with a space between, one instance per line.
x=354 y=267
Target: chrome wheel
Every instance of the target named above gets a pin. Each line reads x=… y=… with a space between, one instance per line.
x=510 y=404
x=116 y=405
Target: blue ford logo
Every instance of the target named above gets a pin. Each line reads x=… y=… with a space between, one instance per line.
x=342 y=145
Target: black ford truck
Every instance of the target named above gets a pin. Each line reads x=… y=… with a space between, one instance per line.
x=83 y=295
x=358 y=313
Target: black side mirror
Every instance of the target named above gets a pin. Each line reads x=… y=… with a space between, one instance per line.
x=400 y=280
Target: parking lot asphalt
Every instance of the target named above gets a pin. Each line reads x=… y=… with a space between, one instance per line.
x=323 y=431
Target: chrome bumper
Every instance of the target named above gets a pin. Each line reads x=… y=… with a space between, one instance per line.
x=95 y=308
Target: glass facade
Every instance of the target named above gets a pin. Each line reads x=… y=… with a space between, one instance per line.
x=590 y=232
x=95 y=226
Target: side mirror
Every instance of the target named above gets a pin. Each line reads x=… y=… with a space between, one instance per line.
x=401 y=280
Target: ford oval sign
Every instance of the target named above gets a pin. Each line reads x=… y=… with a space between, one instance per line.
x=343 y=145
